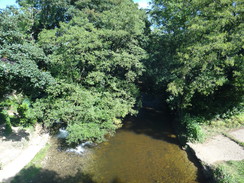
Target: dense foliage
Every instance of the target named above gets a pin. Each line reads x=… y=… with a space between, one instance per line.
x=82 y=69
x=197 y=57
x=22 y=61
x=206 y=48
x=79 y=61
x=88 y=115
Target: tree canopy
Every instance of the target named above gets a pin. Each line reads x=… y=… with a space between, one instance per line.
x=206 y=47
x=79 y=62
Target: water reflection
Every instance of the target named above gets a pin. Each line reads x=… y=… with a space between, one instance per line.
x=145 y=150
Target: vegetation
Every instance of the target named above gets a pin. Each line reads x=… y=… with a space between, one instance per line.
x=230 y=171
x=198 y=59
x=78 y=63
x=6 y=120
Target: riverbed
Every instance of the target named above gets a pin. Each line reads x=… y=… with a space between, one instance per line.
x=144 y=150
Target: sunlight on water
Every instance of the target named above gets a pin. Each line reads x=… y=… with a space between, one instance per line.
x=132 y=157
x=145 y=150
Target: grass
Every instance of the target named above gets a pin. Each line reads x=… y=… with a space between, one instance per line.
x=229 y=172
x=233 y=139
x=221 y=126
x=32 y=168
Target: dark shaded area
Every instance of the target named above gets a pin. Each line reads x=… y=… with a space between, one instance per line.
x=124 y=157
x=201 y=173
x=153 y=119
x=14 y=136
x=152 y=123
x=17 y=136
x=156 y=120
x=225 y=102
x=38 y=175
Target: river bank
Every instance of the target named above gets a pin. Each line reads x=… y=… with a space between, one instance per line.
x=18 y=149
x=217 y=152
x=144 y=150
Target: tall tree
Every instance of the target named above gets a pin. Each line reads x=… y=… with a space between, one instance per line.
x=207 y=47
x=22 y=62
x=46 y=14
x=99 y=51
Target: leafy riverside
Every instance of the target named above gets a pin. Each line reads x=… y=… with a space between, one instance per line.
x=82 y=73
x=144 y=150
x=82 y=65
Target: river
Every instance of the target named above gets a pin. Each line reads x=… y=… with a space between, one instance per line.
x=144 y=150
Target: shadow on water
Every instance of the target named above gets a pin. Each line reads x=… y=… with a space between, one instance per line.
x=144 y=150
x=154 y=120
x=153 y=123
x=200 y=174
x=38 y=175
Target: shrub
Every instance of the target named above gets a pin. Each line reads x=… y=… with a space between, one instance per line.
x=193 y=130
x=26 y=116
x=229 y=172
x=221 y=175
x=2 y=117
x=21 y=107
x=8 y=128
x=6 y=120
x=88 y=115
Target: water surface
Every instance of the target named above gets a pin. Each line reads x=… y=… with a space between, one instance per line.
x=145 y=150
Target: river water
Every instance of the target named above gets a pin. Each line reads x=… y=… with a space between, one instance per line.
x=145 y=150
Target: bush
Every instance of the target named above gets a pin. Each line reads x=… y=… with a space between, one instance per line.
x=21 y=107
x=8 y=127
x=88 y=115
x=193 y=130
x=6 y=120
x=2 y=118
x=229 y=172
x=221 y=175
x=26 y=116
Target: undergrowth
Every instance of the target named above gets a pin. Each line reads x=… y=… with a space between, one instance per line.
x=229 y=172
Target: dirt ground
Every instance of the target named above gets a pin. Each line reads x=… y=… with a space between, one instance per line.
x=18 y=149
x=220 y=148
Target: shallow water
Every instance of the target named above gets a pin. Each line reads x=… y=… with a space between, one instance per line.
x=145 y=150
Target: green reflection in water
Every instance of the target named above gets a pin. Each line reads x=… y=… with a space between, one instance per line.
x=145 y=150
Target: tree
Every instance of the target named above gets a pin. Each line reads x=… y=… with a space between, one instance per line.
x=22 y=61
x=46 y=14
x=96 y=57
x=207 y=51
